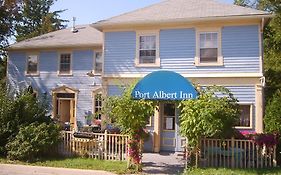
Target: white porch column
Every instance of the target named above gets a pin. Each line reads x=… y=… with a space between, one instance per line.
x=259 y=109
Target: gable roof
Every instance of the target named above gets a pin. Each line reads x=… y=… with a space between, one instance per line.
x=180 y=11
x=85 y=36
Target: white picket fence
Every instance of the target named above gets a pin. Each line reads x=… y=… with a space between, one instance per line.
x=234 y=153
x=99 y=145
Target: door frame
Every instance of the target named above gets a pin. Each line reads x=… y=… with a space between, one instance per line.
x=55 y=99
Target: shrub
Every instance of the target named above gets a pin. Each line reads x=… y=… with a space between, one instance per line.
x=33 y=141
x=17 y=112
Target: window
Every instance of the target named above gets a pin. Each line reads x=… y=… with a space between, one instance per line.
x=147 y=53
x=32 y=64
x=65 y=63
x=98 y=63
x=245 y=117
x=208 y=47
x=169 y=116
x=98 y=106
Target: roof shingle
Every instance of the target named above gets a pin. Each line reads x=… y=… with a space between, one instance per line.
x=86 y=36
x=170 y=10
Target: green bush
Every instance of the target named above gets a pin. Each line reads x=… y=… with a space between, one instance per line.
x=17 y=112
x=33 y=141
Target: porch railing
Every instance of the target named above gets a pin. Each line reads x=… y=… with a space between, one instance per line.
x=98 y=145
x=233 y=153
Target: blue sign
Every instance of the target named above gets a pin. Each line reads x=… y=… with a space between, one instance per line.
x=164 y=85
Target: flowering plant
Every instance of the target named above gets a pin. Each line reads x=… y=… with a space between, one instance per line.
x=269 y=140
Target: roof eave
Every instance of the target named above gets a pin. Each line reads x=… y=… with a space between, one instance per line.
x=100 y=26
x=15 y=48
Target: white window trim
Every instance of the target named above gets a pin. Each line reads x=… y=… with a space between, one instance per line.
x=251 y=116
x=137 y=59
x=94 y=66
x=26 y=65
x=197 y=56
x=150 y=122
x=71 y=63
x=94 y=93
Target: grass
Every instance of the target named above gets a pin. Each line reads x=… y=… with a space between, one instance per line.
x=224 y=171
x=119 y=167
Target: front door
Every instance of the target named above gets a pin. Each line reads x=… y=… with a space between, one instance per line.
x=169 y=127
x=64 y=111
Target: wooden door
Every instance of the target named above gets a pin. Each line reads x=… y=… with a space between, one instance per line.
x=64 y=110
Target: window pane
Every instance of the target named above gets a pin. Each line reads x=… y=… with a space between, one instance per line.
x=244 y=119
x=147 y=52
x=169 y=123
x=98 y=62
x=169 y=109
x=98 y=106
x=65 y=62
x=208 y=55
x=32 y=64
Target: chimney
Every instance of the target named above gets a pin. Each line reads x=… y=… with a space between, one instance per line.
x=73 y=29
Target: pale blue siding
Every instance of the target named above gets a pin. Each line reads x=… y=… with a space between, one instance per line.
x=114 y=90
x=82 y=63
x=240 y=48
x=240 y=41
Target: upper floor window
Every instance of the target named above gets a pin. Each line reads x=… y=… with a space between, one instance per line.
x=98 y=63
x=65 y=63
x=245 y=116
x=208 y=47
x=147 y=53
x=208 y=52
x=32 y=64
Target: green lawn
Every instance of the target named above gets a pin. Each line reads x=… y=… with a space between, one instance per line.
x=118 y=167
x=223 y=171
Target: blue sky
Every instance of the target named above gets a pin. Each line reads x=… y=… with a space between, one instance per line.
x=89 y=11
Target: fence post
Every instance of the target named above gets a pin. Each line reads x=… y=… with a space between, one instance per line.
x=105 y=144
x=274 y=156
x=232 y=152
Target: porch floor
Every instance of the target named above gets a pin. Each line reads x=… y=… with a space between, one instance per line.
x=163 y=163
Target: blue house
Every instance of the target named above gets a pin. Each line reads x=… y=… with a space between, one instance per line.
x=206 y=42
x=66 y=67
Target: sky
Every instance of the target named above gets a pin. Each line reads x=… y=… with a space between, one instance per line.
x=90 y=11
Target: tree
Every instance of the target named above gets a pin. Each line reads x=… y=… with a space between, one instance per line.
x=131 y=116
x=37 y=19
x=273 y=114
x=213 y=113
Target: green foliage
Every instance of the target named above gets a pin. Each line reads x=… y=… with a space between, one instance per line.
x=36 y=19
x=130 y=115
x=15 y=113
x=272 y=117
x=33 y=141
x=213 y=113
